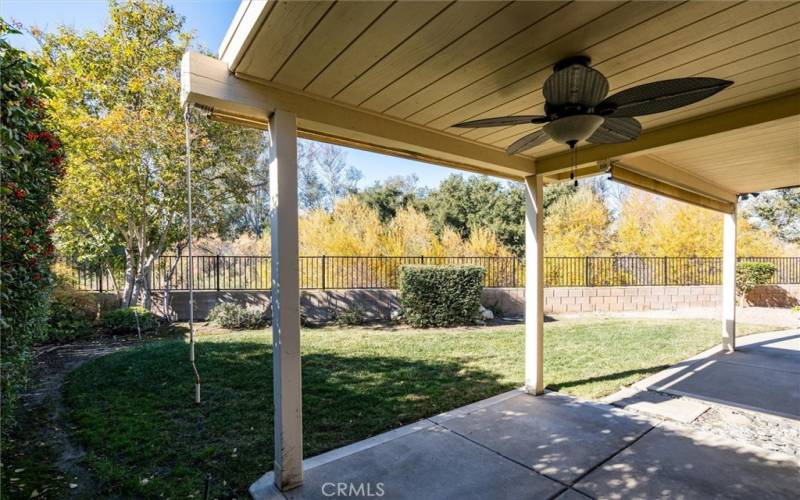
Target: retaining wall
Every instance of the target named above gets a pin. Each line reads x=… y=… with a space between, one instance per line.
x=316 y=306
x=322 y=305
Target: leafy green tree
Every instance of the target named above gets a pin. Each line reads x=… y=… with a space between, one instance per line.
x=117 y=105
x=32 y=163
x=253 y=216
x=553 y=193
x=481 y=202
x=778 y=212
x=391 y=195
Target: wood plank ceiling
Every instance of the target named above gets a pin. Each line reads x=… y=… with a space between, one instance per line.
x=750 y=159
x=439 y=63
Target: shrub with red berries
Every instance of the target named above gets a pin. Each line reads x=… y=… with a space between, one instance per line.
x=32 y=159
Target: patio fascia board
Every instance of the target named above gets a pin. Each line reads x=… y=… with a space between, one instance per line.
x=782 y=106
x=207 y=82
x=246 y=23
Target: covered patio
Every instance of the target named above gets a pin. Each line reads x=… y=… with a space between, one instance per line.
x=394 y=78
x=516 y=445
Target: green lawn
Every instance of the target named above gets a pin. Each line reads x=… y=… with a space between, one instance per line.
x=133 y=410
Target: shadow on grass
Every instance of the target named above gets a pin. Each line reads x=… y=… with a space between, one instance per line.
x=133 y=410
x=608 y=377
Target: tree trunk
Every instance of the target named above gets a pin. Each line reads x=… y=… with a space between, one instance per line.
x=130 y=278
x=147 y=297
x=141 y=289
x=167 y=302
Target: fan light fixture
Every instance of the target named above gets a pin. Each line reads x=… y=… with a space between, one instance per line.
x=578 y=109
x=571 y=129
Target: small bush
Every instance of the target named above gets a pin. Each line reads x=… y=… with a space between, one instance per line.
x=752 y=274
x=123 y=321
x=71 y=314
x=353 y=316
x=441 y=295
x=237 y=317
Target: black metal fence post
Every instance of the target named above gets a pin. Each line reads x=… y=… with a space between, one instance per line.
x=100 y=280
x=323 y=272
x=514 y=271
x=665 y=270
x=216 y=272
x=586 y=271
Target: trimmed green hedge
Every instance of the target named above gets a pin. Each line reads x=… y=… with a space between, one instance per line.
x=237 y=316
x=128 y=321
x=441 y=295
x=752 y=274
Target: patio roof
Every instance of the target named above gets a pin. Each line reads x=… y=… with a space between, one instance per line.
x=401 y=74
x=393 y=77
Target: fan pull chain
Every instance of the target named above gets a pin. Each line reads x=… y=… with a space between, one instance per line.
x=574 y=174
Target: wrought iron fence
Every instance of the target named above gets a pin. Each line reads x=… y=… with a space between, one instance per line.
x=218 y=272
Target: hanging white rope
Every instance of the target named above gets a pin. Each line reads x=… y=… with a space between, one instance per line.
x=191 y=264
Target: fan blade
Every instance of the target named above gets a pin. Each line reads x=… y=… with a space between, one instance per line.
x=527 y=142
x=502 y=121
x=575 y=84
x=615 y=130
x=657 y=97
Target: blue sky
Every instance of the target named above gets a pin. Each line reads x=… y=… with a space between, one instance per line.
x=209 y=20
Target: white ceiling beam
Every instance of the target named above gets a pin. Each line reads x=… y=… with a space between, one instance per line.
x=651 y=185
x=670 y=174
x=763 y=111
x=206 y=81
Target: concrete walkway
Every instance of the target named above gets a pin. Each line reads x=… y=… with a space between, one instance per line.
x=518 y=446
x=763 y=375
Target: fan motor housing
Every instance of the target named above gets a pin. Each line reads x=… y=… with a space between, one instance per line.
x=556 y=111
x=569 y=61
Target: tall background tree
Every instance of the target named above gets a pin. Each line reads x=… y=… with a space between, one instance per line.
x=324 y=176
x=116 y=101
x=777 y=212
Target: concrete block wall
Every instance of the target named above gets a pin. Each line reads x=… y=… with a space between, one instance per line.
x=317 y=306
x=322 y=305
x=511 y=301
x=635 y=298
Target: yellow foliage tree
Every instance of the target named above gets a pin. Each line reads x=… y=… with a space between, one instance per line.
x=753 y=242
x=450 y=244
x=351 y=229
x=409 y=233
x=650 y=225
x=577 y=225
x=636 y=216
x=483 y=242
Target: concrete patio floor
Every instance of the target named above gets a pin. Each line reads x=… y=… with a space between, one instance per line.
x=554 y=446
x=763 y=375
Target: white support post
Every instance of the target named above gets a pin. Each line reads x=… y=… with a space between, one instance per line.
x=288 y=471
x=729 y=282
x=534 y=285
